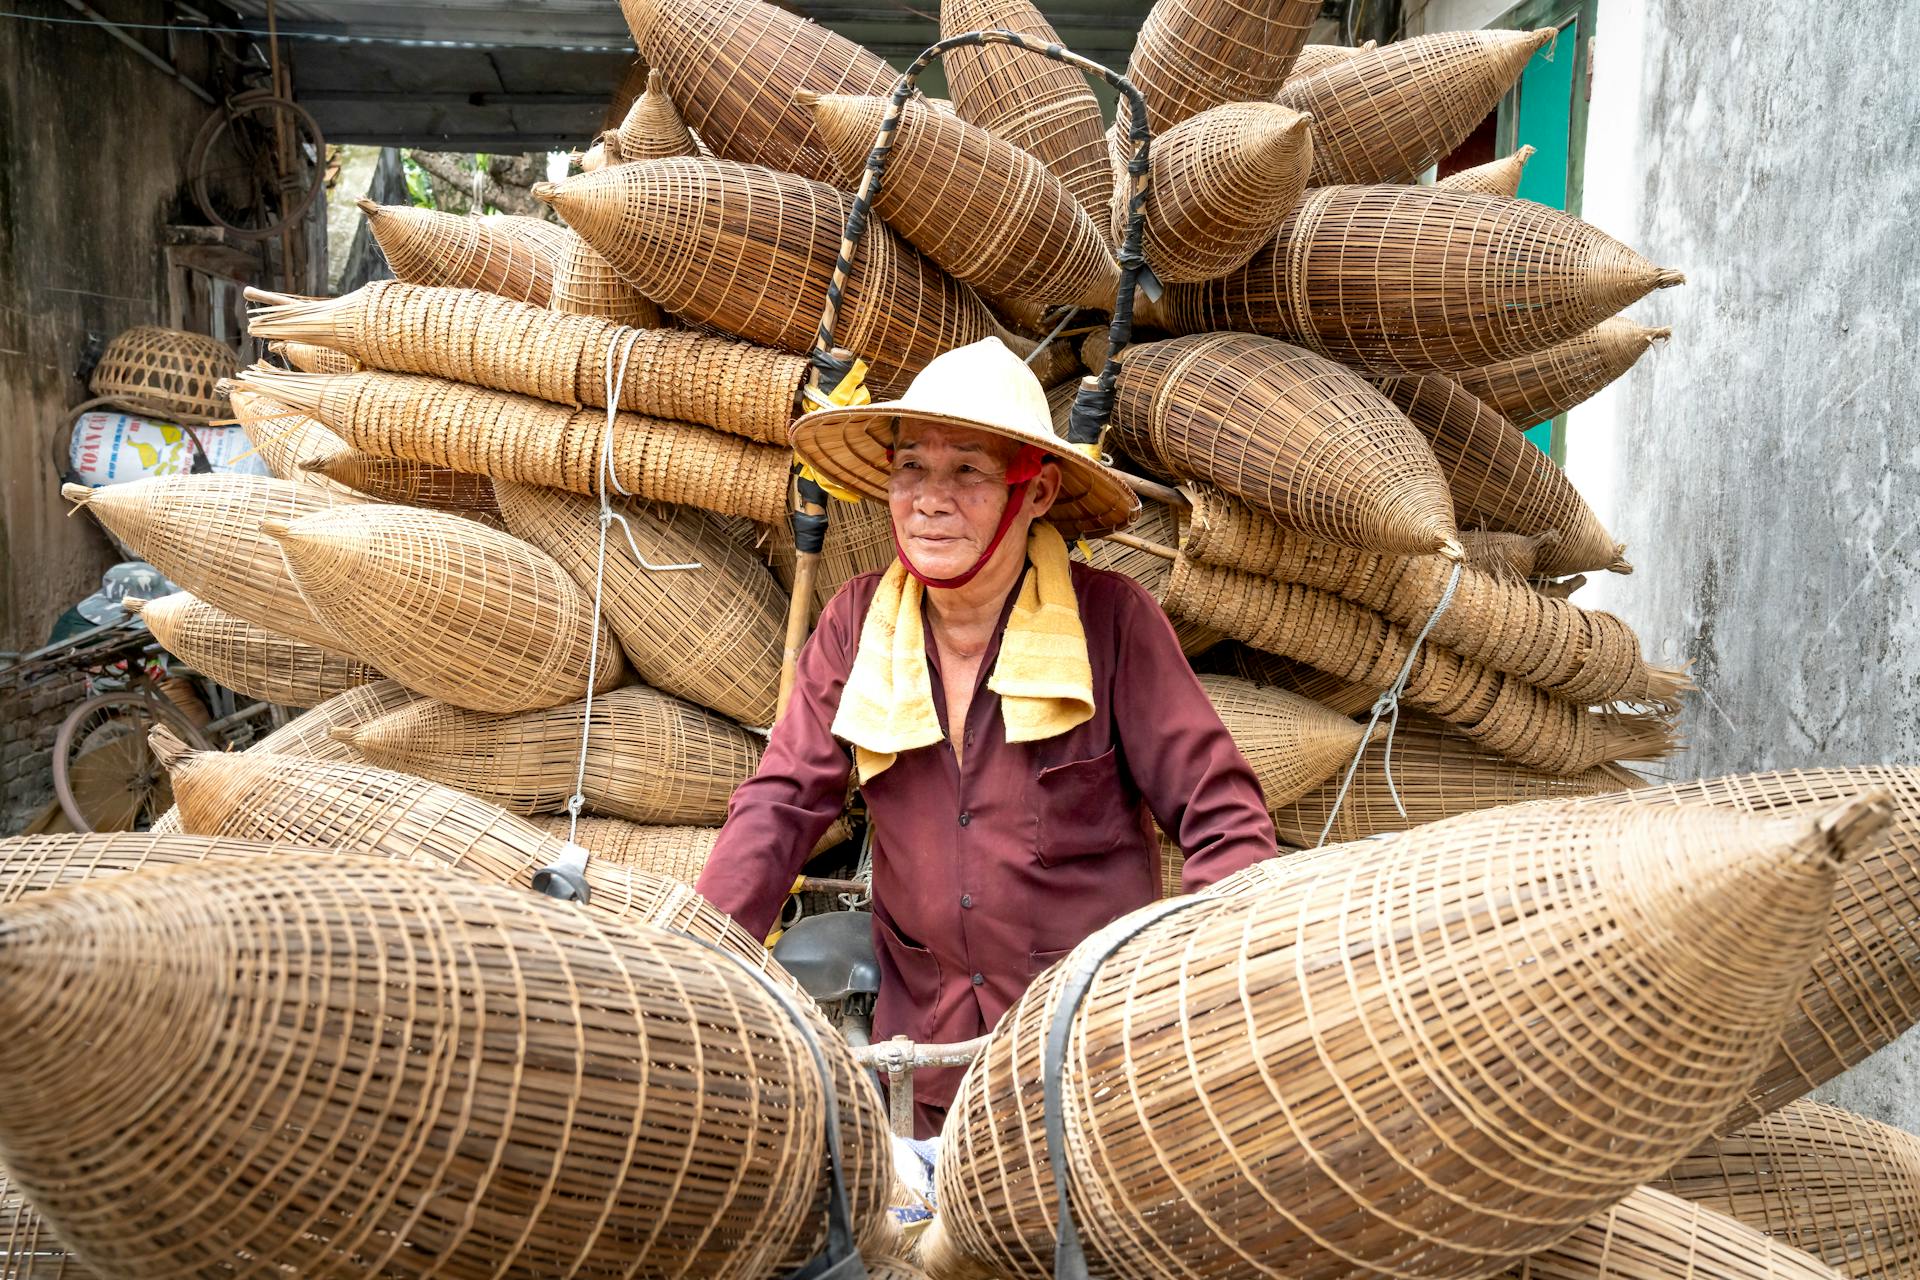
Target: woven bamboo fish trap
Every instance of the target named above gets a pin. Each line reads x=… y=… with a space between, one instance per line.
x=29 y=1250
x=1041 y=106
x=597 y=156
x=1387 y=114
x=1841 y=1186
x=1865 y=988
x=678 y=853
x=425 y=246
x=1194 y=55
x=1507 y=986
x=1223 y=181
x=632 y=83
x=1437 y=774
x=310 y=357
x=309 y=736
x=283 y=436
x=449 y=607
x=731 y=67
x=1507 y=555
x=35 y=864
x=168 y=372
x=751 y=251
x=1542 y=386
x=981 y=208
x=652 y=128
x=585 y=284
x=399 y=480
x=1651 y=1235
x=712 y=635
x=1293 y=744
x=1315 y=58
x=1500 y=712
x=1165 y=525
x=538 y=234
x=1579 y=654
x=513 y=438
x=251 y=660
x=1403 y=279
x=488 y=341
x=1500 y=482
x=859 y=540
x=1495 y=178
x=1270 y=670
x=669 y=1120
x=1294 y=435
x=649 y=757
x=203 y=533
x=358 y=809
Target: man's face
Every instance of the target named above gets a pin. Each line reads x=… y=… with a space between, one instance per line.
x=947 y=492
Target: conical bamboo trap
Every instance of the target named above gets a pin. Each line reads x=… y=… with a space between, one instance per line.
x=1166 y=526
x=309 y=357
x=712 y=634
x=1315 y=58
x=1297 y=436
x=167 y=372
x=649 y=757
x=203 y=533
x=1500 y=712
x=1651 y=1235
x=36 y=864
x=731 y=67
x=251 y=660
x=1841 y=1186
x=1272 y=671
x=1436 y=1035
x=1506 y=555
x=751 y=251
x=402 y=481
x=283 y=436
x=652 y=128
x=1194 y=55
x=475 y=337
x=1387 y=114
x=1041 y=106
x=677 y=853
x=449 y=607
x=515 y=438
x=1500 y=482
x=538 y=234
x=425 y=246
x=29 y=1250
x=1436 y=774
x=1579 y=654
x=1223 y=181
x=1865 y=989
x=1495 y=178
x=1542 y=386
x=978 y=206
x=585 y=284
x=1293 y=744
x=1401 y=279
x=357 y=809
x=309 y=736
x=668 y=1120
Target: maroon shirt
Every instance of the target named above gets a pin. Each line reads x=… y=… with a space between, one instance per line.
x=989 y=868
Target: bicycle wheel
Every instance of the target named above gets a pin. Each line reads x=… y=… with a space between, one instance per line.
x=104 y=774
x=232 y=170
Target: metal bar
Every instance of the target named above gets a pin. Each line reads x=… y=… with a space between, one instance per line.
x=454 y=98
x=107 y=25
x=902 y=1054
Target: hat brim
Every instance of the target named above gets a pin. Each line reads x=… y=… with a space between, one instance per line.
x=849 y=447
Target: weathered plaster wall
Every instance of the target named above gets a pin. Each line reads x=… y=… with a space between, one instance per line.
x=1765 y=468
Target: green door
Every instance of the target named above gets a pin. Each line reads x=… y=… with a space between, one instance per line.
x=1548 y=110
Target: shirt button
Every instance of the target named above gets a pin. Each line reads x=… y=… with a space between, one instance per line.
x=979 y=979
x=966 y=900
x=965 y=817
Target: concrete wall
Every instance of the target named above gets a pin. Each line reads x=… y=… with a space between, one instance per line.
x=1764 y=469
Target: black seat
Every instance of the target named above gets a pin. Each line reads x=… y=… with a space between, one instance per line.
x=831 y=955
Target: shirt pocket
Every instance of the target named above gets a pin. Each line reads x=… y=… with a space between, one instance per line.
x=1086 y=809
x=919 y=970
x=1038 y=962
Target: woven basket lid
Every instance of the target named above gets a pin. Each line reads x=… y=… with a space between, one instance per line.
x=983 y=386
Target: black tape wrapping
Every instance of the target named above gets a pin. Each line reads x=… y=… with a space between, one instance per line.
x=1092 y=410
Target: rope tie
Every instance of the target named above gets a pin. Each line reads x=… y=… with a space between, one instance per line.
x=1388 y=706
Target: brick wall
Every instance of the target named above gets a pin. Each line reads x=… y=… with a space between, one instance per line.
x=33 y=717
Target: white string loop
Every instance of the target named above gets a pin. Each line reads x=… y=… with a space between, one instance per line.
x=1388 y=705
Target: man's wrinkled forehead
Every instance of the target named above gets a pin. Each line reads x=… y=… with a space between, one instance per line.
x=913 y=436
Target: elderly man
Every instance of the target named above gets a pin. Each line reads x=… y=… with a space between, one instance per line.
x=1013 y=718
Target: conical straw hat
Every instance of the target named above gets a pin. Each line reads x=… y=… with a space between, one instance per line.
x=982 y=386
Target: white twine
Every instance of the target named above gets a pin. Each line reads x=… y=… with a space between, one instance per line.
x=1388 y=705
